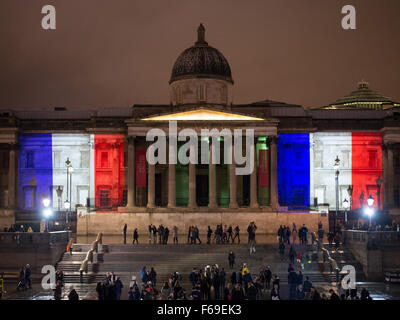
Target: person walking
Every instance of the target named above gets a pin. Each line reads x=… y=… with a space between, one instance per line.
x=135 y=236
x=197 y=237
x=237 y=235
x=28 y=276
x=124 y=232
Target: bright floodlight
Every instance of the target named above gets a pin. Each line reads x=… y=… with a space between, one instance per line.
x=370 y=201
x=46 y=202
x=47 y=213
x=66 y=204
x=346 y=204
x=369 y=211
x=70 y=169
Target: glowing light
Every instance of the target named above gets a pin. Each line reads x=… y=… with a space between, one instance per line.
x=202 y=114
x=46 y=202
x=47 y=213
x=369 y=211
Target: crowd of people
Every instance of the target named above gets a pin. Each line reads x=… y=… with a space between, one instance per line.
x=222 y=235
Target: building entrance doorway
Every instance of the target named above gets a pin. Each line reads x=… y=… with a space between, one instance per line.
x=202 y=190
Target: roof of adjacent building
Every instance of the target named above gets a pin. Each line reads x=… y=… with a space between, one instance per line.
x=201 y=61
x=363 y=98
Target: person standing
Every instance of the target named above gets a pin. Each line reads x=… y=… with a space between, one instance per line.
x=118 y=288
x=231 y=259
x=209 y=233
x=150 y=232
x=166 y=235
x=251 y=229
x=175 y=234
x=230 y=234
x=196 y=230
x=124 y=232
x=267 y=277
x=58 y=291
x=135 y=236
x=275 y=295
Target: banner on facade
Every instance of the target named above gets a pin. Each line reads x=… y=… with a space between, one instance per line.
x=141 y=168
x=263 y=168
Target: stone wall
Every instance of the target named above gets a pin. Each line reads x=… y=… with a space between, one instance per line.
x=267 y=222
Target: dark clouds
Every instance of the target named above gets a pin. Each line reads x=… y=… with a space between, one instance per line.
x=120 y=52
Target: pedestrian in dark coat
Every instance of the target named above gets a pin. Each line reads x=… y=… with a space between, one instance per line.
x=124 y=232
x=118 y=288
x=231 y=259
x=73 y=295
x=135 y=236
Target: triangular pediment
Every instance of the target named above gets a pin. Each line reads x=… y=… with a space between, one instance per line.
x=202 y=115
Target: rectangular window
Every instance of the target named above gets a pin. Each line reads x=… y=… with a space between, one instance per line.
x=318 y=160
x=84 y=159
x=56 y=159
x=104 y=198
x=345 y=159
x=104 y=159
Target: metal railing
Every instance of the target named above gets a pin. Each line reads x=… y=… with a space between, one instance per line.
x=373 y=237
x=41 y=238
x=89 y=256
x=326 y=256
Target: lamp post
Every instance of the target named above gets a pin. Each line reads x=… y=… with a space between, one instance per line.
x=346 y=206
x=47 y=212
x=336 y=168
x=370 y=209
x=68 y=202
x=379 y=182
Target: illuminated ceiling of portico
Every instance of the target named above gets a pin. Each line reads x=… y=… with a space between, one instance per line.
x=202 y=114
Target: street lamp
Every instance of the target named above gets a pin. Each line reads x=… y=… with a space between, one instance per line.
x=47 y=212
x=68 y=202
x=370 y=210
x=346 y=205
x=336 y=168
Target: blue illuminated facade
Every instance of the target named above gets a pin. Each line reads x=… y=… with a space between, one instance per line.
x=294 y=169
x=35 y=176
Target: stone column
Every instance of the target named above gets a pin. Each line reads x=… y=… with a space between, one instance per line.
x=390 y=175
x=192 y=186
x=253 y=181
x=131 y=173
x=151 y=174
x=212 y=179
x=172 y=180
x=12 y=176
x=273 y=175
x=232 y=182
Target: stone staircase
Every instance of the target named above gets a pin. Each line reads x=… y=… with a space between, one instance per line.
x=127 y=260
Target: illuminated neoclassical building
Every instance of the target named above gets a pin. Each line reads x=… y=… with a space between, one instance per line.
x=112 y=183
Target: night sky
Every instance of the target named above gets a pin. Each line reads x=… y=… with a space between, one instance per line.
x=108 y=53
